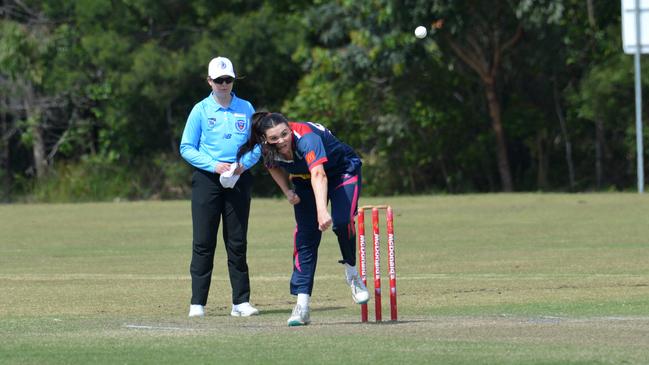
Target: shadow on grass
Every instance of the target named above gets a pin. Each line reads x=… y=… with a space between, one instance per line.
x=290 y=308
x=375 y=323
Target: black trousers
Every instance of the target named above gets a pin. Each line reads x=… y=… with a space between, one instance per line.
x=211 y=202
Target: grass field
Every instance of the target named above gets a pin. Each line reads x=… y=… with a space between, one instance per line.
x=482 y=279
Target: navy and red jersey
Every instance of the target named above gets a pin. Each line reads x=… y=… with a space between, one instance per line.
x=314 y=145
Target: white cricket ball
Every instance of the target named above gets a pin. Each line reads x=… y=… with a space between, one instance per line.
x=420 y=32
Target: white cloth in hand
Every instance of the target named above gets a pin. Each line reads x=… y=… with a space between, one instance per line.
x=228 y=178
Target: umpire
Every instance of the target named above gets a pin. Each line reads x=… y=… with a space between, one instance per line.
x=221 y=189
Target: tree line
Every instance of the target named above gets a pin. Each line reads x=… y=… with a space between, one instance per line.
x=506 y=95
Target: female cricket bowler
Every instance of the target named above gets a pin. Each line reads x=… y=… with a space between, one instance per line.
x=320 y=168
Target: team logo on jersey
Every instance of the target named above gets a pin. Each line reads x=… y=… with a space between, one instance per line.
x=310 y=157
x=211 y=122
x=241 y=125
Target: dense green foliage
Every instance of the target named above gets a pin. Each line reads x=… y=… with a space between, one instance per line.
x=510 y=95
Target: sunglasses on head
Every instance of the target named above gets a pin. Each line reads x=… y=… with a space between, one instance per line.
x=221 y=80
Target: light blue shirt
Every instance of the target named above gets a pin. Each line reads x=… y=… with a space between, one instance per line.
x=214 y=134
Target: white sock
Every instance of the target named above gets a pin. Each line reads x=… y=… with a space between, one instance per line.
x=350 y=271
x=303 y=300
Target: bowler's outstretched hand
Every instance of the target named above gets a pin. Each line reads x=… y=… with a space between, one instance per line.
x=324 y=221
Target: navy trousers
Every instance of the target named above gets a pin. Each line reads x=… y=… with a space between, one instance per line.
x=343 y=193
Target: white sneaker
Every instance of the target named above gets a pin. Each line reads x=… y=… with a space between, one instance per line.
x=299 y=317
x=196 y=310
x=243 y=310
x=360 y=294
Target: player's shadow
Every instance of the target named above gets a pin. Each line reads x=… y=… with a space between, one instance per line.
x=319 y=309
x=373 y=323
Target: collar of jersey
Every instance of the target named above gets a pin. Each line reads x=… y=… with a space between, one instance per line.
x=218 y=106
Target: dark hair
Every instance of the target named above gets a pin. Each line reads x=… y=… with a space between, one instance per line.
x=261 y=122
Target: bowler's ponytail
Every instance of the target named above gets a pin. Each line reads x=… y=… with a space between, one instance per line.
x=261 y=122
x=255 y=138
